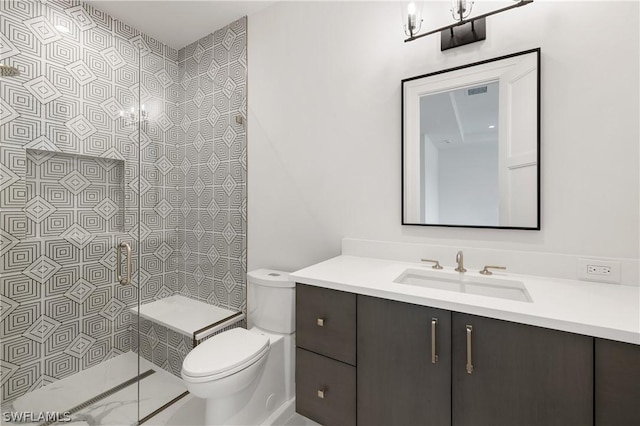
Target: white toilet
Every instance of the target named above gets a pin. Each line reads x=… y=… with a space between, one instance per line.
x=246 y=375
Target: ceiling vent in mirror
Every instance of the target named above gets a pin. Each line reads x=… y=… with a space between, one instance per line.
x=477 y=90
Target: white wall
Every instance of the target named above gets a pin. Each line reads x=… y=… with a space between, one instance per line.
x=324 y=127
x=468 y=184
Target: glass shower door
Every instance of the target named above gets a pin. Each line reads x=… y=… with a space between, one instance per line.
x=69 y=196
x=156 y=186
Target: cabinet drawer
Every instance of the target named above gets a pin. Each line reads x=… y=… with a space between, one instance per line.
x=326 y=322
x=316 y=373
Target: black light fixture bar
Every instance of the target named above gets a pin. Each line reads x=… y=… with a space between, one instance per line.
x=466 y=21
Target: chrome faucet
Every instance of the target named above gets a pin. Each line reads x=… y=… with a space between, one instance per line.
x=460 y=262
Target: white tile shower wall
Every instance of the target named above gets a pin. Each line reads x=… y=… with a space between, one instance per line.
x=213 y=200
x=62 y=310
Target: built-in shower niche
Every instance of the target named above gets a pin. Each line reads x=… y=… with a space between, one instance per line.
x=73 y=196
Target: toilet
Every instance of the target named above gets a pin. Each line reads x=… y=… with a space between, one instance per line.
x=246 y=376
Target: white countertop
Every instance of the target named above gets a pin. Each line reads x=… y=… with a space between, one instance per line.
x=608 y=311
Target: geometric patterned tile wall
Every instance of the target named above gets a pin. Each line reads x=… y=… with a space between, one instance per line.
x=167 y=348
x=73 y=197
x=206 y=194
x=182 y=204
x=71 y=175
x=211 y=117
x=162 y=346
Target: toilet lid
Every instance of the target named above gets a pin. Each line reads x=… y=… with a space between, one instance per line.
x=224 y=352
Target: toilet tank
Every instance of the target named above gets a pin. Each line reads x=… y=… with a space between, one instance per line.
x=271 y=301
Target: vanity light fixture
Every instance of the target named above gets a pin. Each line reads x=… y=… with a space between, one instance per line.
x=465 y=30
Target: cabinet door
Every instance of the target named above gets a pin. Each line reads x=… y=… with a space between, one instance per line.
x=521 y=375
x=398 y=384
x=617 y=385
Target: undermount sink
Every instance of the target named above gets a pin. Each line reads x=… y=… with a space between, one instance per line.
x=465 y=283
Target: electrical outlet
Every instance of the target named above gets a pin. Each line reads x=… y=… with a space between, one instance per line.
x=599 y=270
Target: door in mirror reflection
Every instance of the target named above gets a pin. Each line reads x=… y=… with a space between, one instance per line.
x=459 y=156
x=470 y=145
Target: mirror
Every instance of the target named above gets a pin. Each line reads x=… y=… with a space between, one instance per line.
x=471 y=145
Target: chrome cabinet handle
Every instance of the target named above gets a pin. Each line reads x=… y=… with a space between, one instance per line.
x=469 y=354
x=320 y=322
x=321 y=393
x=434 y=356
x=127 y=279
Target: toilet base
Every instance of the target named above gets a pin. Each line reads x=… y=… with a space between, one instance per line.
x=256 y=402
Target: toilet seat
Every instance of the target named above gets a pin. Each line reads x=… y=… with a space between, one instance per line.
x=225 y=354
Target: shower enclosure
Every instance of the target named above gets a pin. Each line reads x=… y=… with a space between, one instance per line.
x=122 y=184
x=93 y=219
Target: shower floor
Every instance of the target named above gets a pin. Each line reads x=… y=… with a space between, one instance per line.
x=106 y=394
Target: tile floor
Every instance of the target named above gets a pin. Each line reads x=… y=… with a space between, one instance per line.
x=118 y=408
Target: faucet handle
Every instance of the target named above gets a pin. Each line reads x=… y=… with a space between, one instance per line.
x=486 y=270
x=460 y=261
x=436 y=263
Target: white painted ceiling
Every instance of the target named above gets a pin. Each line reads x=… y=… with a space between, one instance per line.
x=455 y=117
x=178 y=23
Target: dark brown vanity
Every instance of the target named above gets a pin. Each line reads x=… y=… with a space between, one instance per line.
x=371 y=361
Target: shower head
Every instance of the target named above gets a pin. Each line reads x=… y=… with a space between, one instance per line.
x=8 y=71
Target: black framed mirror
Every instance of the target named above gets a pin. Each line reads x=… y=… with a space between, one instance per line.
x=471 y=145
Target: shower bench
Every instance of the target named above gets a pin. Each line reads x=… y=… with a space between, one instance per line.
x=190 y=317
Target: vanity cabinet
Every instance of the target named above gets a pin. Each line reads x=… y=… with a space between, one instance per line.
x=326 y=355
x=373 y=361
x=487 y=372
x=505 y=373
x=404 y=364
x=617 y=383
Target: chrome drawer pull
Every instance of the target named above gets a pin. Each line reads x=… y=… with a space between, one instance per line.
x=320 y=322
x=321 y=393
x=469 y=354
x=434 y=357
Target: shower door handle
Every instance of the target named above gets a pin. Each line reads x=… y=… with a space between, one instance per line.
x=126 y=279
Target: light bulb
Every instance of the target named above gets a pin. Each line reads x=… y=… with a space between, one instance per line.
x=461 y=9
x=413 y=23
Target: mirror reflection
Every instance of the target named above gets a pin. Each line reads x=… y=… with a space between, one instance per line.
x=470 y=145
